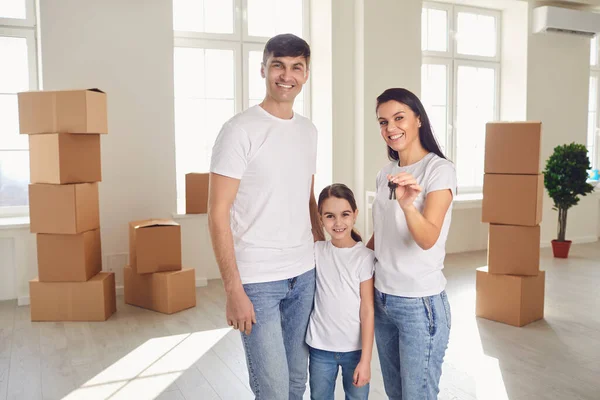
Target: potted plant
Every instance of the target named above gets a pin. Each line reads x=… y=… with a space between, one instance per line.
x=565 y=179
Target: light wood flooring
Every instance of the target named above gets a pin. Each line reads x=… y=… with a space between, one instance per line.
x=139 y=354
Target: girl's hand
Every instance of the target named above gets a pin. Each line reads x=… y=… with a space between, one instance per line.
x=407 y=190
x=362 y=374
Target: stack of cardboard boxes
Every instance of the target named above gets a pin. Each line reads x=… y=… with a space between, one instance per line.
x=64 y=130
x=511 y=288
x=154 y=278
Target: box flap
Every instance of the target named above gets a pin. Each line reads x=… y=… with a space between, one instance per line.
x=148 y=223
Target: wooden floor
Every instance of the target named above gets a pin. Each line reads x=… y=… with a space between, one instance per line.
x=139 y=354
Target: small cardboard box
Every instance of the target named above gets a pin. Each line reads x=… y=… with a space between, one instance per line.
x=196 y=193
x=511 y=299
x=512 y=199
x=154 y=246
x=64 y=158
x=94 y=300
x=513 y=148
x=66 y=209
x=514 y=250
x=65 y=111
x=69 y=258
x=165 y=292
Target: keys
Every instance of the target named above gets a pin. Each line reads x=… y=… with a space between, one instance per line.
x=392 y=187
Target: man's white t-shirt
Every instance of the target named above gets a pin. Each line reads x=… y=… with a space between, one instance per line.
x=335 y=320
x=274 y=159
x=403 y=268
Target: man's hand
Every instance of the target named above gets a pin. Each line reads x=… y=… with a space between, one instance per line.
x=240 y=311
x=362 y=374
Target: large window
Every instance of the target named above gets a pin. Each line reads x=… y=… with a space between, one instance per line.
x=218 y=54
x=460 y=83
x=18 y=73
x=593 y=138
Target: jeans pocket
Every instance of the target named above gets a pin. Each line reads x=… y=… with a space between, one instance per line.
x=446 y=304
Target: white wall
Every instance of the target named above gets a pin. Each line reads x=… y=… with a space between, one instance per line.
x=126 y=49
x=557 y=95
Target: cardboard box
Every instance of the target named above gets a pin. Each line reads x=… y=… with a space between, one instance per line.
x=512 y=199
x=69 y=258
x=68 y=111
x=66 y=209
x=514 y=250
x=513 y=148
x=94 y=300
x=154 y=246
x=511 y=299
x=64 y=158
x=196 y=193
x=165 y=292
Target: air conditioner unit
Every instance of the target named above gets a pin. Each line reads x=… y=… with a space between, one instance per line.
x=565 y=20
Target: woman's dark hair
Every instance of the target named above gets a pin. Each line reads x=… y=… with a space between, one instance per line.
x=408 y=98
x=286 y=45
x=343 y=192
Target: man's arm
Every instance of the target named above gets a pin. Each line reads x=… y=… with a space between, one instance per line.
x=221 y=194
x=315 y=220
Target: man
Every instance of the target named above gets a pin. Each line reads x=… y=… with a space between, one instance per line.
x=263 y=220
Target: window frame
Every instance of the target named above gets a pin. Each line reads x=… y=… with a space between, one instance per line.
x=453 y=60
x=595 y=72
x=242 y=44
x=26 y=29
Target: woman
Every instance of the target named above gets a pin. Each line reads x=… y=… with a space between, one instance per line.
x=411 y=217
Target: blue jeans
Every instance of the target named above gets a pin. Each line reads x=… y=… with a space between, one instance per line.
x=324 y=366
x=412 y=336
x=276 y=353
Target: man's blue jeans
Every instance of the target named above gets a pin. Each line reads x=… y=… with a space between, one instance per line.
x=276 y=351
x=412 y=336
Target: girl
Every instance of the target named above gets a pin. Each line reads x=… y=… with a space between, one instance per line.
x=412 y=314
x=342 y=321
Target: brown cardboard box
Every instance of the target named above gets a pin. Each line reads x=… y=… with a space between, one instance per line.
x=64 y=158
x=514 y=250
x=69 y=258
x=166 y=292
x=511 y=299
x=69 y=111
x=93 y=300
x=66 y=209
x=513 y=148
x=196 y=193
x=512 y=199
x=154 y=246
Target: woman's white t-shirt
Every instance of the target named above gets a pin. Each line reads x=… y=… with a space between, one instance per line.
x=335 y=320
x=402 y=268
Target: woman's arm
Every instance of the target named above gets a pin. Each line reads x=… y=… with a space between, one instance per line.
x=362 y=373
x=425 y=228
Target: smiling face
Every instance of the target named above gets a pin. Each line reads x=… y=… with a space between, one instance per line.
x=338 y=219
x=284 y=77
x=399 y=125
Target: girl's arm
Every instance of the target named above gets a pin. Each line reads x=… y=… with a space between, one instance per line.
x=371 y=243
x=425 y=228
x=362 y=373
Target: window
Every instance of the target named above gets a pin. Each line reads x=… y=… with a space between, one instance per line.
x=217 y=59
x=593 y=139
x=460 y=83
x=18 y=73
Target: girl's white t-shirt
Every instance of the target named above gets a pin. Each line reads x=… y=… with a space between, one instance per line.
x=335 y=320
x=402 y=268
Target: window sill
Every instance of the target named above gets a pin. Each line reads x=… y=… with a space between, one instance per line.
x=467 y=201
x=14 y=222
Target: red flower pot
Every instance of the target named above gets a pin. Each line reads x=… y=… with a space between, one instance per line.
x=561 y=249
